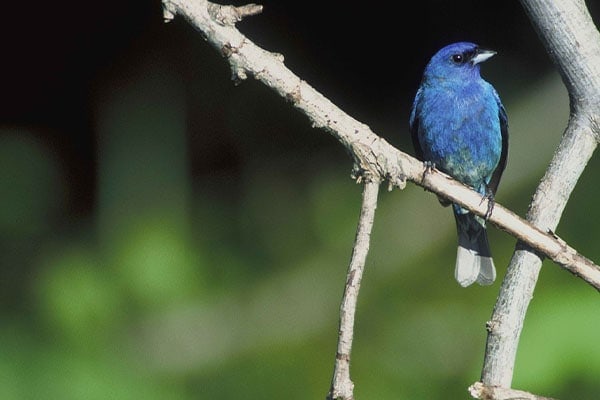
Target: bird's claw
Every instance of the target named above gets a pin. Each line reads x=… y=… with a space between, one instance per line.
x=489 y=196
x=429 y=168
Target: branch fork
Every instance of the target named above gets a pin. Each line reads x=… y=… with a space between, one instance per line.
x=225 y=15
x=482 y=392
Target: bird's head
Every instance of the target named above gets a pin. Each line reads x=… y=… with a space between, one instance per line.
x=457 y=61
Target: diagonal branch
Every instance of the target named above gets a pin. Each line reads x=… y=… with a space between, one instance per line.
x=371 y=153
x=341 y=385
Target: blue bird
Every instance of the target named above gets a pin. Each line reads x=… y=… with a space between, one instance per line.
x=459 y=125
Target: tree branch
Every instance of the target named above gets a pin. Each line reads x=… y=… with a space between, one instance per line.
x=567 y=30
x=372 y=154
x=479 y=391
x=570 y=36
x=341 y=385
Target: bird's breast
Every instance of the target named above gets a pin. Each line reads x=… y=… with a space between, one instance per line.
x=460 y=133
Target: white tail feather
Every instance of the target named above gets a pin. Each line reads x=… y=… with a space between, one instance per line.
x=471 y=267
x=487 y=271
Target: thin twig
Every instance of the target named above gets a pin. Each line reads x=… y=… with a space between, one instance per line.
x=341 y=385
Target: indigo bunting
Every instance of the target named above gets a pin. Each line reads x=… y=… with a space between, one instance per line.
x=459 y=126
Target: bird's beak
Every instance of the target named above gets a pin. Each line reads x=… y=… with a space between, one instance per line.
x=481 y=56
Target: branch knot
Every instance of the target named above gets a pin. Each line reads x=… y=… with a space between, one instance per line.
x=228 y=15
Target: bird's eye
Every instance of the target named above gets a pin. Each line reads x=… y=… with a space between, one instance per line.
x=457 y=58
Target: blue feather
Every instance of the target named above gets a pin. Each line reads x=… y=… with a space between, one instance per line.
x=459 y=124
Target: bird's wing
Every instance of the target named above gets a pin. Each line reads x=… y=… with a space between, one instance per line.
x=414 y=126
x=493 y=185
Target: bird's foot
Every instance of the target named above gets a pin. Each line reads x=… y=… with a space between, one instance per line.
x=429 y=168
x=489 y=196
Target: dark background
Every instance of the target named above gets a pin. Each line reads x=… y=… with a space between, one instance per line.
x=368 y=60
x=169 y=234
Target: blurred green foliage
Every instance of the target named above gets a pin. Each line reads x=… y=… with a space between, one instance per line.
x=227 y=287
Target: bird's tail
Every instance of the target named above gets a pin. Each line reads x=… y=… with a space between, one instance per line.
x=474 y=261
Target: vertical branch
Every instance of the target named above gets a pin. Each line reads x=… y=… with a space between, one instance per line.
x=568 y=32
x=342 y=387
